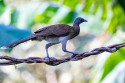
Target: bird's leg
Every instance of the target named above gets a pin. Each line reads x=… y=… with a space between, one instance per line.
x=64 y=47
x=47 y=46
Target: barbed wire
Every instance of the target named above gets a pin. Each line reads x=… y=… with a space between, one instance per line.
x=53 y=61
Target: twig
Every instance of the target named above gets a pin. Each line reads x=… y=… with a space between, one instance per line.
x=53 y=61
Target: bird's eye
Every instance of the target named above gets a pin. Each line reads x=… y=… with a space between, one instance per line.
x=81 y=19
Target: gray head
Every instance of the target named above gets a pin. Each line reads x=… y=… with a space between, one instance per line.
x=79 y=20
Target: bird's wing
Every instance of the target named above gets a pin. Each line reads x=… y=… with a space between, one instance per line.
x=54 y=30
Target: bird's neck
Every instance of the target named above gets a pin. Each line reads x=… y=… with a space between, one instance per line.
x=76 y=27
x=75 y=31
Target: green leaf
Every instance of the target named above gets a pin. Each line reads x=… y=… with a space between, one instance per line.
x=14 y=16
x=96 y=8
x=88 y=5
x=117 y=19
x=122 y=3
x=105 y=9
x=71 y=4
x=45 y=16
x=69 y=18
x=113 y=24
x=117 y=75
x=2 y=6
x=112 y=61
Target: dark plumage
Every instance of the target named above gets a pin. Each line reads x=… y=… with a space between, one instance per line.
x=54 y=34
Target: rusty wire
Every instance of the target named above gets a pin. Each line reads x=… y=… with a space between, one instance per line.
x=53 y=61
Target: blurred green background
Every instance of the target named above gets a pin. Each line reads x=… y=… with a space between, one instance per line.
x=105 y=26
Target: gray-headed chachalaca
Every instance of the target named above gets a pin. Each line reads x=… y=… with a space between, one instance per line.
x=54 y=34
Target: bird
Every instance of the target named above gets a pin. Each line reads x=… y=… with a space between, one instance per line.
x=54 y=34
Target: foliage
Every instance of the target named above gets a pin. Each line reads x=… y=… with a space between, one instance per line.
x=113 y=60
x=104 y=16
x=2 y=6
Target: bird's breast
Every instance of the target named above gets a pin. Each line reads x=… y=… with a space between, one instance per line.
x=56 y=39
x=52 y=39
x=73 y=34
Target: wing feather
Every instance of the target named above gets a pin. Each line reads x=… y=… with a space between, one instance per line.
x=54 y=30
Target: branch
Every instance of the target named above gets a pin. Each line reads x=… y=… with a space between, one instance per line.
x=53 y=61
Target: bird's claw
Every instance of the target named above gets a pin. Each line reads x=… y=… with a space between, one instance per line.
x=74 y=54
x=49 y=59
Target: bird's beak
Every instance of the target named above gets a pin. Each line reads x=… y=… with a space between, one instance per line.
x=85 y=21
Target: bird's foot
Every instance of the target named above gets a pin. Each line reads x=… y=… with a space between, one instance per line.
x=50 y=60
x=74 y=54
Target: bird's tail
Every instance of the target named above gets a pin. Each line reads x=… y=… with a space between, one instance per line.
x=18 y=42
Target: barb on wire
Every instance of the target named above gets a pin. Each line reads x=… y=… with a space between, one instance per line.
x=53 y=61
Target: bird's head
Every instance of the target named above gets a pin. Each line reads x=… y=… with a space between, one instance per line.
x=79 y=20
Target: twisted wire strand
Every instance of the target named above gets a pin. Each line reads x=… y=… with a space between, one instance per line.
x=53 y=61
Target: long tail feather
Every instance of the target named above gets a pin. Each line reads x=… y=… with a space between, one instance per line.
x=19 y=42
